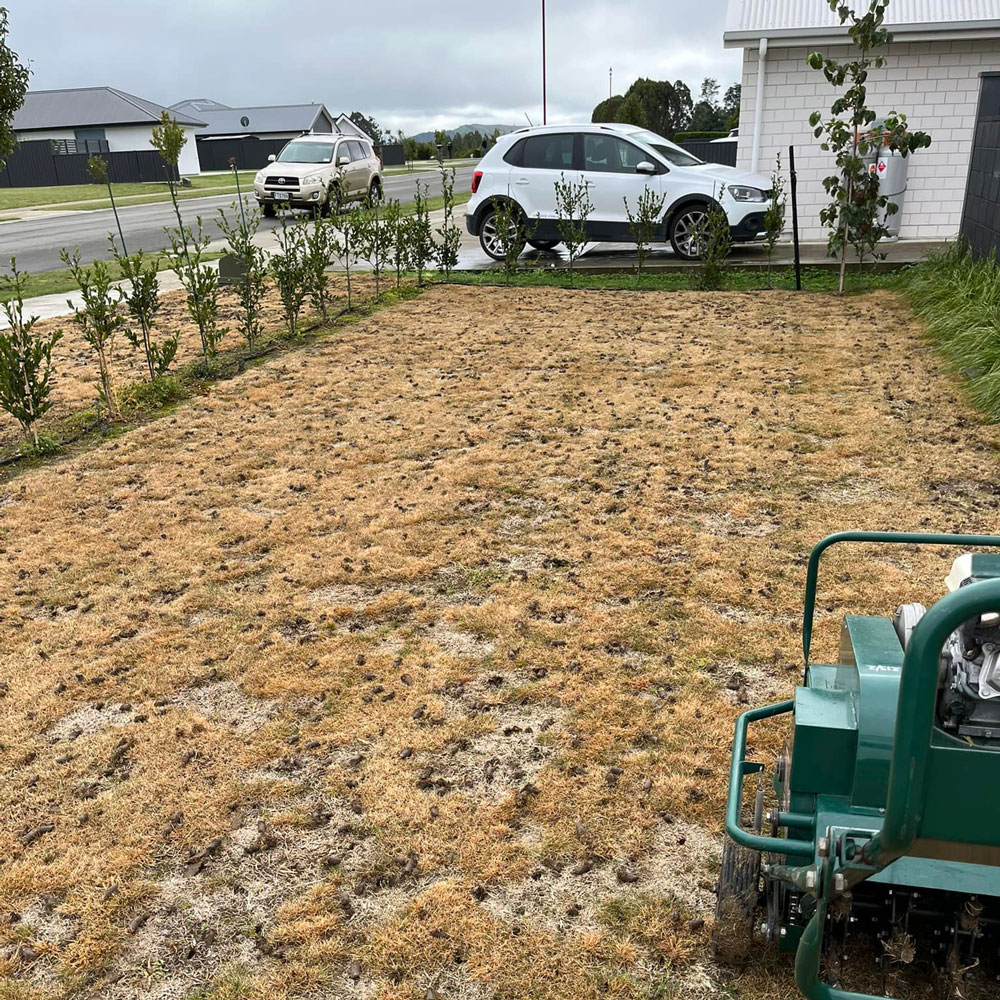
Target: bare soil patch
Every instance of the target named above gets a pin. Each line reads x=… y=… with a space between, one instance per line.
x=408 y=661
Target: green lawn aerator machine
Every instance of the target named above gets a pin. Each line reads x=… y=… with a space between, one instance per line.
x=876 y=858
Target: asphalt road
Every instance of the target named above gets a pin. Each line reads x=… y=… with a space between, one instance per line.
x=36 y=243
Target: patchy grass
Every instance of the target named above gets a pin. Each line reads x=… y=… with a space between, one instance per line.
x=407 y=660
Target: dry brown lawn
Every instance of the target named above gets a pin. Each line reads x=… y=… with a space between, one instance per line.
x=405 y=665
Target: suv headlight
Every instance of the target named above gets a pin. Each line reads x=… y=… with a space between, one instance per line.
x=259 y=179
x=312 y=179
x=742 y=193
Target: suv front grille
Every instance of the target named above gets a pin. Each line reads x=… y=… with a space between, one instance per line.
x=281 y=182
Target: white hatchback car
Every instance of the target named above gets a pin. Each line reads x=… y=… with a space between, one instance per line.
x=617 y=162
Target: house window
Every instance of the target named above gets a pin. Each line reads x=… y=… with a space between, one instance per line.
x=89 y=133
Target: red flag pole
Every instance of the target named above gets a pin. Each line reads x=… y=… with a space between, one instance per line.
x=545 y=114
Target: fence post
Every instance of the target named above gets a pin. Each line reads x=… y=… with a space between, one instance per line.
x=795 y=218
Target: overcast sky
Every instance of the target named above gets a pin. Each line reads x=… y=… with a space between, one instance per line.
x=410 y=64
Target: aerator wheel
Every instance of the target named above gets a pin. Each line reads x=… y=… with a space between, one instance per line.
x=737 y=901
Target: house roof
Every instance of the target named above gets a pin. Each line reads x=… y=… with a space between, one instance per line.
x=219 y=119
x=790 y=22
x=88 y=106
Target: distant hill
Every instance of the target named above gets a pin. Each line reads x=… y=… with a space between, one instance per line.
x=465 y=130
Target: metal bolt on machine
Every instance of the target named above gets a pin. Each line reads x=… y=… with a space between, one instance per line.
x=885 y=838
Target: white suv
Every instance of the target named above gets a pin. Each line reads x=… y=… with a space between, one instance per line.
x=318 y=171
x=617 y=162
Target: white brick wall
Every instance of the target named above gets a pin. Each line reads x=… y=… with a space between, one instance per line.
x=935 y=84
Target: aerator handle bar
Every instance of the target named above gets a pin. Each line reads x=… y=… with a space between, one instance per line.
x=895 y=537
x=906 y=802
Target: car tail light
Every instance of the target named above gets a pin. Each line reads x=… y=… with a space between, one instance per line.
x=476 y=178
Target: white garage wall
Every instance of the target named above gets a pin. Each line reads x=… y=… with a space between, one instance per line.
x=138 y=137
x=935 y=84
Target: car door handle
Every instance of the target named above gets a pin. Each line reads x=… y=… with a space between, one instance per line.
x=522 y=180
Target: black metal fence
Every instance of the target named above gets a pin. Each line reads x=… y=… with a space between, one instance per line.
x=249 y=153
x=38 y=163
x=712 y=152
x=393 y=155
x=981 y=215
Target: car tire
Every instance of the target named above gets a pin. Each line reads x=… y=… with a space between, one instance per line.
x=683 y=230
x=543 y=244
x=375 y=192
x=268 y=210
x=326 y=209
x=489 y=238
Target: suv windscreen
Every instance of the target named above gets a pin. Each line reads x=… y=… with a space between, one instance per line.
x=671 y=153
x=306 y=152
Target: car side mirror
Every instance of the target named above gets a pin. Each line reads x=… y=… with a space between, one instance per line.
x=645 y=167
x=271 y=158
x=343 y=161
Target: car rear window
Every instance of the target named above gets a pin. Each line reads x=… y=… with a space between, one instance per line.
x=548 y=152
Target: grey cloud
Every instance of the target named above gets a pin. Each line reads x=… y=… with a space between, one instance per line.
x=409 y=65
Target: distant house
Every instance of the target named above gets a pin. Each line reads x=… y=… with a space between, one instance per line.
x=249 y=134
x=100 y=115
x=942 y=71
x=279 y=121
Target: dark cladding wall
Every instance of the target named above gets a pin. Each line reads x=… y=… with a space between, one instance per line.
x=712 y=152
x=37 y=164
x=250 y=153
x=981 y=216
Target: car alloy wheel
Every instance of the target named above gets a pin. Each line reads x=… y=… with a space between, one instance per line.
x=493 y=243
x=687 y=234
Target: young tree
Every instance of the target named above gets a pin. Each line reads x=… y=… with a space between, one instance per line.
x=97 y=170
x=714 y=239
x=200 y=280
x=421 y=240
x=374 y=242
x=99 y=320
x=774 y=215
x=573 y=208
x=449 y=233
x=398 y=234
x=344 y=245
x=13 y=87
x=187 y=246
x=855 y=215
x=317 y=257
x=240 y=232
x=289 y=269
x=643 y=224
x=141 y=297
x=25 y=361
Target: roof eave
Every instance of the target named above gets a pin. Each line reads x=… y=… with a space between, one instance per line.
x=940 y=32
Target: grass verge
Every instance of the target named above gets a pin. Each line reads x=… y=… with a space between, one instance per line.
x=60 y=194
x=61 y=280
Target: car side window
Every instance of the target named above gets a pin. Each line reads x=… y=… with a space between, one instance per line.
x=514 y=155
x=342 y=150
x=357 y=150
x=609 y=154
x=548 y=152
